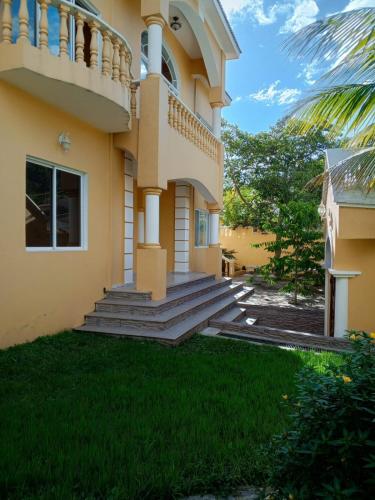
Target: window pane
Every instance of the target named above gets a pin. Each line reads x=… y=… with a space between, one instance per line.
x=201 y=228
x=31 y=5
x=68 y=209
x=53 y=30
x=38 y=206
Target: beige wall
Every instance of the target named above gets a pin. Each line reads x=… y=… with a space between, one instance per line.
x=240 y=240
x=45 y=292
x=359 y=255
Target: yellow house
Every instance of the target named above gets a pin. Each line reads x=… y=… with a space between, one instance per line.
x=111 y=162
x=349 y=216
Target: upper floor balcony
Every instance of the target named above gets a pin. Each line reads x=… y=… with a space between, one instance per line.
x=66 y=55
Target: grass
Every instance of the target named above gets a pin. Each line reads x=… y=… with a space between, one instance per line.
x=88 y=417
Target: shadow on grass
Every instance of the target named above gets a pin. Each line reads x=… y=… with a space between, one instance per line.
x=95 y=417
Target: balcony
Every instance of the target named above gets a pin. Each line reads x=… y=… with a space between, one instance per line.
x=175 y=144
x=69 y=58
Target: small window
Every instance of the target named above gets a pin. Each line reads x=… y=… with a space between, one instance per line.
x=167 y=67
x=54 y=207
x=201 y=228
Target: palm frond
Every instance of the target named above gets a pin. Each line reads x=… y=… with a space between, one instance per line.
x=328 y=38
x=349 y=108
x=356 y=172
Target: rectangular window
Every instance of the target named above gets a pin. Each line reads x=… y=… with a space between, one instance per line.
x=201 y=228
x=54 y=207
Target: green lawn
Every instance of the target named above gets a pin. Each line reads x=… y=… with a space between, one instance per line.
x=88 y=417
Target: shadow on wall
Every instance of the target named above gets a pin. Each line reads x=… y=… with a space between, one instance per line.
x=240 y=240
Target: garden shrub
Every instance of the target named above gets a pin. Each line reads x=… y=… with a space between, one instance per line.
x=329 y=449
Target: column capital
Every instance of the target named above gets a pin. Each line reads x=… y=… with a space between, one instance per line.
x=217 y=104
x=155 y=20
x=336 y=273
x=141 y=210
x=152 y=191
x=214 y=210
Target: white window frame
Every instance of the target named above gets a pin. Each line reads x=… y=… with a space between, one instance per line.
x=83 y=208
x=207 y=214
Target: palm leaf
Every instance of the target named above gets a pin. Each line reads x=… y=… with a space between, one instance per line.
x=347 y=108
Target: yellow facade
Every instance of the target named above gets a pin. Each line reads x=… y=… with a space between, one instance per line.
x=350 y=255
x=241 y=240
x=125 y=136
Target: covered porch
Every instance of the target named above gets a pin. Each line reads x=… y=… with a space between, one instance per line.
x=171 y=236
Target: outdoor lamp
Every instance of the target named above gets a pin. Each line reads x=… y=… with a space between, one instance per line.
x=176 y=23
x=322 y=210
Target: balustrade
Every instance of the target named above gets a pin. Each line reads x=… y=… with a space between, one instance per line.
x=112 y=57
x=186 y=123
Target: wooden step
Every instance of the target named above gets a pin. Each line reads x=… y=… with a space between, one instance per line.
x=167 y=318
x=151 y=308
x=173 y=335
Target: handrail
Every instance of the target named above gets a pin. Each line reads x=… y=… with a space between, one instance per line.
x=93 y=17
x=173 y=89
x=114 y=52
x=186 y=123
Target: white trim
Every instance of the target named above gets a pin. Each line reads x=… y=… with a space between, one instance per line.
x=83 y=207
x=344 y=274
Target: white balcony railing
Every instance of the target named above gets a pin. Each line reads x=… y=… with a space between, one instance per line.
x=186 y=123
x=109 y=52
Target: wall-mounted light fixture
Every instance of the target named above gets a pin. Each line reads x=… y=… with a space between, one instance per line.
x=322 y=211
x=176 y=23
x=65 y=141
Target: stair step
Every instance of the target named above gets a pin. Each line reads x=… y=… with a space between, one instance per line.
x=122 y=293
x=166 y=318
x=232 y=315
x=190 y=281
x=149 y=307
x=244 y=294
x=172 y=335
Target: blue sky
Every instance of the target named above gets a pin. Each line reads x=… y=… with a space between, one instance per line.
x=265 y=82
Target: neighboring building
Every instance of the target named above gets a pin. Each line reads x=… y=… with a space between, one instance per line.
x=241 y=240
x=350 y=255
x=110 y=143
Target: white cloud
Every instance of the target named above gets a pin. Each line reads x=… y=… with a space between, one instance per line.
x=274 y=95
x=310 y=72
x=304 y=12
x=254 y=9
x=359 y=4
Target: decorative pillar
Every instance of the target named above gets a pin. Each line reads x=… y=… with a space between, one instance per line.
x=129 y=223
x=151 y=258
x=214 y=240
x=141 y=226
x=155 y=27
x=341 y=300
x=152 y=206
x=216 y=122
x=182 y=228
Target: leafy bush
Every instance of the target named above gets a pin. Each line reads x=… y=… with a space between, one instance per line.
x=329 y=450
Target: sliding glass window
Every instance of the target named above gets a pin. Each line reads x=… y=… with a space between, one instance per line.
x=54 y=207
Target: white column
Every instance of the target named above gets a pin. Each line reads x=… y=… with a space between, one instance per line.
x=129 y=223
x=214 y=228
x=155 y=44
x=342 y=300
x=182 y=228
x=152 y=204
x=216 y=109
x=141 y=226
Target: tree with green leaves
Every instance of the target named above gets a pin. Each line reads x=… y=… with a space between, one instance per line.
x=343 y=100
x=298 y=250
x=268 y=170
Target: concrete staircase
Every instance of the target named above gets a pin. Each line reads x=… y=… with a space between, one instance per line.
x=187 y=309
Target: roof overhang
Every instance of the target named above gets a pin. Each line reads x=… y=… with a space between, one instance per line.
x=220 y=26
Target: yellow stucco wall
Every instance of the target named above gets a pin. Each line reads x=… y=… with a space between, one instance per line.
x=240 y=240
x=359 y=255
x=46 y=292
